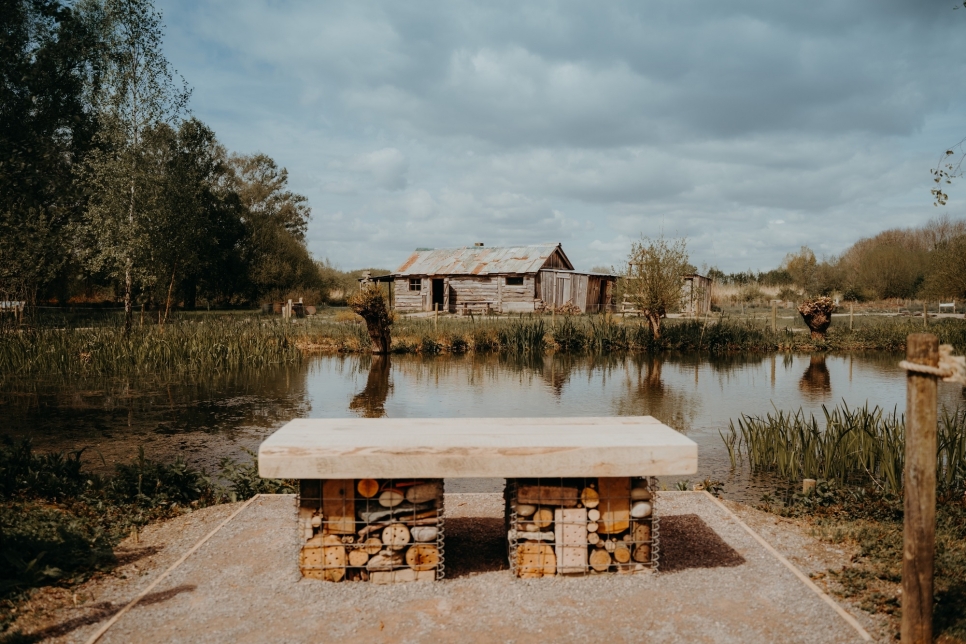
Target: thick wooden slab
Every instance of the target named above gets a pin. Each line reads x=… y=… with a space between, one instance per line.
x=353 y=448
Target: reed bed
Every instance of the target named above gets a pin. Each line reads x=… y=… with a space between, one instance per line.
x=216 y=343
x=212 y=345
x=851 y=446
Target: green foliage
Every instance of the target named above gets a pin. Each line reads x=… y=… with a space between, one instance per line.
x=46 y=54
x=653 y=278
x=244 y=481
x=192 y=347
x=854 y=446
x=869 y=520
x=59 y=523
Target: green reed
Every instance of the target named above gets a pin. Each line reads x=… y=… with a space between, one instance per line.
x=858 y=445
x=210 y=345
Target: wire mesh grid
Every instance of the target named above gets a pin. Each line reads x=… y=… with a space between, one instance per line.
x=374 y=530
x=582 y=526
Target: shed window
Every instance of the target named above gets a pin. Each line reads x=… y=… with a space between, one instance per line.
x=415 y=284
x=514 y=281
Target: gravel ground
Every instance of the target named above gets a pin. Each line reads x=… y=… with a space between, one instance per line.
x=718 y=585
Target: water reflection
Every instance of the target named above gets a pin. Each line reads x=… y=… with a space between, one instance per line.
x=695 y=393
x=816 y=382
x=371 y=401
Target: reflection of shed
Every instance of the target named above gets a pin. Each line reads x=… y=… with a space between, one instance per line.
x=696 y=295
x=502 y=280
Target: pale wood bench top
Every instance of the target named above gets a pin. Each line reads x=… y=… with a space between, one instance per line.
x=347 y=448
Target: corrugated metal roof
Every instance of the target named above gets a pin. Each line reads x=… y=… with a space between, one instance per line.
x=479 y=260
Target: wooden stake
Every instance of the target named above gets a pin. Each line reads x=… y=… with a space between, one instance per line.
x=925 y=316
x=851 y=315
x=774 y=317
x=919 y=483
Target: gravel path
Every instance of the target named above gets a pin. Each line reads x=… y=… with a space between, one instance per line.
x=718 y=585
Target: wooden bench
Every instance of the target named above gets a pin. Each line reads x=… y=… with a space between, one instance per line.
x=947 y=305
x=371 y=490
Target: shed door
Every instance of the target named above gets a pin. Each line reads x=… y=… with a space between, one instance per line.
x=438 y=293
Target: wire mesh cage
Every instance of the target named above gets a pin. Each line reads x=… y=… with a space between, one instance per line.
x=582 y=526
x=376 y=530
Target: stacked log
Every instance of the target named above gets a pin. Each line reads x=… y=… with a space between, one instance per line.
x=581 y=526
x=376 y=530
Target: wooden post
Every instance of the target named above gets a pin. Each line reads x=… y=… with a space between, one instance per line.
x=774 y=317
x=851 y=315
x=919 y=485
x=925 y=316
x=435 y=317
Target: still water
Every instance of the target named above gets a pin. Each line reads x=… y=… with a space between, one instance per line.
x=207 y=421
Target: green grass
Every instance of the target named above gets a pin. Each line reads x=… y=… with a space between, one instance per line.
x=870 y=521
x=857 y=457
x=854 y=446
x=200 y=345
x=59 y=523
x=216 y=344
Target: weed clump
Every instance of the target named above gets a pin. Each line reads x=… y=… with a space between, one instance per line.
x=59 y=523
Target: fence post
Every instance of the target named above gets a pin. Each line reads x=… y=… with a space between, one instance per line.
x=925 y=316
x=774 y=317
x=851 y=315
x=919 y=485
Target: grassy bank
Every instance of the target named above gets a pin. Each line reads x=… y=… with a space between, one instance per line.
x=60 y=523
x=199 y=345
x=597 y=333
x=857 y=456
x=870 y=521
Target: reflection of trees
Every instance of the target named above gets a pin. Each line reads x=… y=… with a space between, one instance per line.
x=646 y=394
x=202 y=418
x=371 y=401
x=816 y=381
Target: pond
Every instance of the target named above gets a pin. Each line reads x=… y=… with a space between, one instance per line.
x=696 y=394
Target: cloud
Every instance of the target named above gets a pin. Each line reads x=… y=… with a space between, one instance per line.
x=432 y=125
x=387 y=166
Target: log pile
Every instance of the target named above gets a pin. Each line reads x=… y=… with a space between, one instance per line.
x=376 y=530
x=581 y=526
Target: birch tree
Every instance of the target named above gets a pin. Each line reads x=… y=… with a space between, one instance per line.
x=135 y=95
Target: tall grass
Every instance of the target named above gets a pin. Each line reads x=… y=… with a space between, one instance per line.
x=217 y=343
x=860 y=445
x=214 y=344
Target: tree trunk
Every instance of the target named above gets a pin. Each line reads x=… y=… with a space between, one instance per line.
x=654 y=320
x=128 y=306
x=167 y=303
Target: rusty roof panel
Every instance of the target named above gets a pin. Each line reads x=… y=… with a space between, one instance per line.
x=478 y=260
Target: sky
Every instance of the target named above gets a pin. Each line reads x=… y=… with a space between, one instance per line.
x=750 y=128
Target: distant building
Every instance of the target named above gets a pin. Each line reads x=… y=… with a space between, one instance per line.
x=696 y=295
x=502 y=280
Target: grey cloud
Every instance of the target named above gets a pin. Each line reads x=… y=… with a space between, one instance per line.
x=445 y=123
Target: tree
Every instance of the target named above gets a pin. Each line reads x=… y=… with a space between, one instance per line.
x=653 y=279
x=370 y=304
x=817 y=315
x=802 y=267
x=47 y=54
x=947 y=278
x=135 y=96
x=275 y=220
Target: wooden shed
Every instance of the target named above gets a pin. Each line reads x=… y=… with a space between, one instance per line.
x=502 y=280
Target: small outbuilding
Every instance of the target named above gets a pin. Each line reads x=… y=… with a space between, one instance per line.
x=510 y=279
